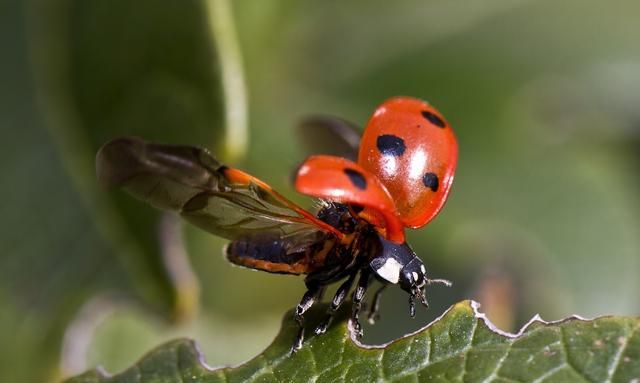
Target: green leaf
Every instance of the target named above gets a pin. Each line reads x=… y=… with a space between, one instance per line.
x=461 y=346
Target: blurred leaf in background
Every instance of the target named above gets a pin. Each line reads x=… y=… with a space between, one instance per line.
x=88 y=72
x=543 y=217
x=107 y=69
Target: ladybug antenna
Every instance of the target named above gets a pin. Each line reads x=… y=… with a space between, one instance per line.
x=445 y=282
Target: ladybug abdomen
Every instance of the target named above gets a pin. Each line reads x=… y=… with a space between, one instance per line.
x=414 y=153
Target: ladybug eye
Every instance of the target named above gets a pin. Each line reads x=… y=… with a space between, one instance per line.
x=418 y=279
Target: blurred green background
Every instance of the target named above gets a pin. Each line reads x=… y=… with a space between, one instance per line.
x=544 y=215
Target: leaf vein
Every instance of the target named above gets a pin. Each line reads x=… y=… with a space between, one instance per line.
x=381 y=366
x=344 y=348
x=314 y=366
x=496 y=370
x=177 y=365
x=466 y=352
x=565 y=350
x=549 y=373
x=615 y=362
x=267 y=368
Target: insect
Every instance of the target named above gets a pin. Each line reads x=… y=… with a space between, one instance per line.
x=406 y=160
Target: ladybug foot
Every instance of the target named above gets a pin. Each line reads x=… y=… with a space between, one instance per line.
x=322 y=328
x=373 y=317
x=337 y=301
x=357 y=328
x=297 y=343
x=373 y=314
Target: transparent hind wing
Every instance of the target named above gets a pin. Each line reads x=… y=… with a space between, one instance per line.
x=329 y=135
x=188 y=180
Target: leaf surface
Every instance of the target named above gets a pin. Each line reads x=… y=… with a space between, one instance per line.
x=461 y=346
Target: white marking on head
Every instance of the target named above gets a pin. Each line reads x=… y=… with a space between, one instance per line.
x=415 y=275
x=390 y=270
x=423 y=269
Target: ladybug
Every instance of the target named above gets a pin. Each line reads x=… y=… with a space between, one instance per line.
x=397 y=175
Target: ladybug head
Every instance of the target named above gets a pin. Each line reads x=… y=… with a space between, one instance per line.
x=398 y=264
x=413 y=279
x=413 y=276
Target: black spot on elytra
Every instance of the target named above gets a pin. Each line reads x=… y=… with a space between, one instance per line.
x=432 y=118
x=390 y=145
x=356 y=178
x=431 y=181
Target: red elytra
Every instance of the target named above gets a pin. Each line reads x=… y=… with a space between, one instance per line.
x=407 y=160
x=342 y=180
x=413 y=151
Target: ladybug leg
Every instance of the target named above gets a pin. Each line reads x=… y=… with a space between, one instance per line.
x=358 y=296
x=375 y=305
x=412 y=306
x=337 y=301
x=314 y=291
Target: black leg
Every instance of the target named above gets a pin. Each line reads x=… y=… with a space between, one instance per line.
x=358 y=296
x=375 y=305
x=412 y=305
x=341 y=293
x=308 y=299
x=423 y=299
